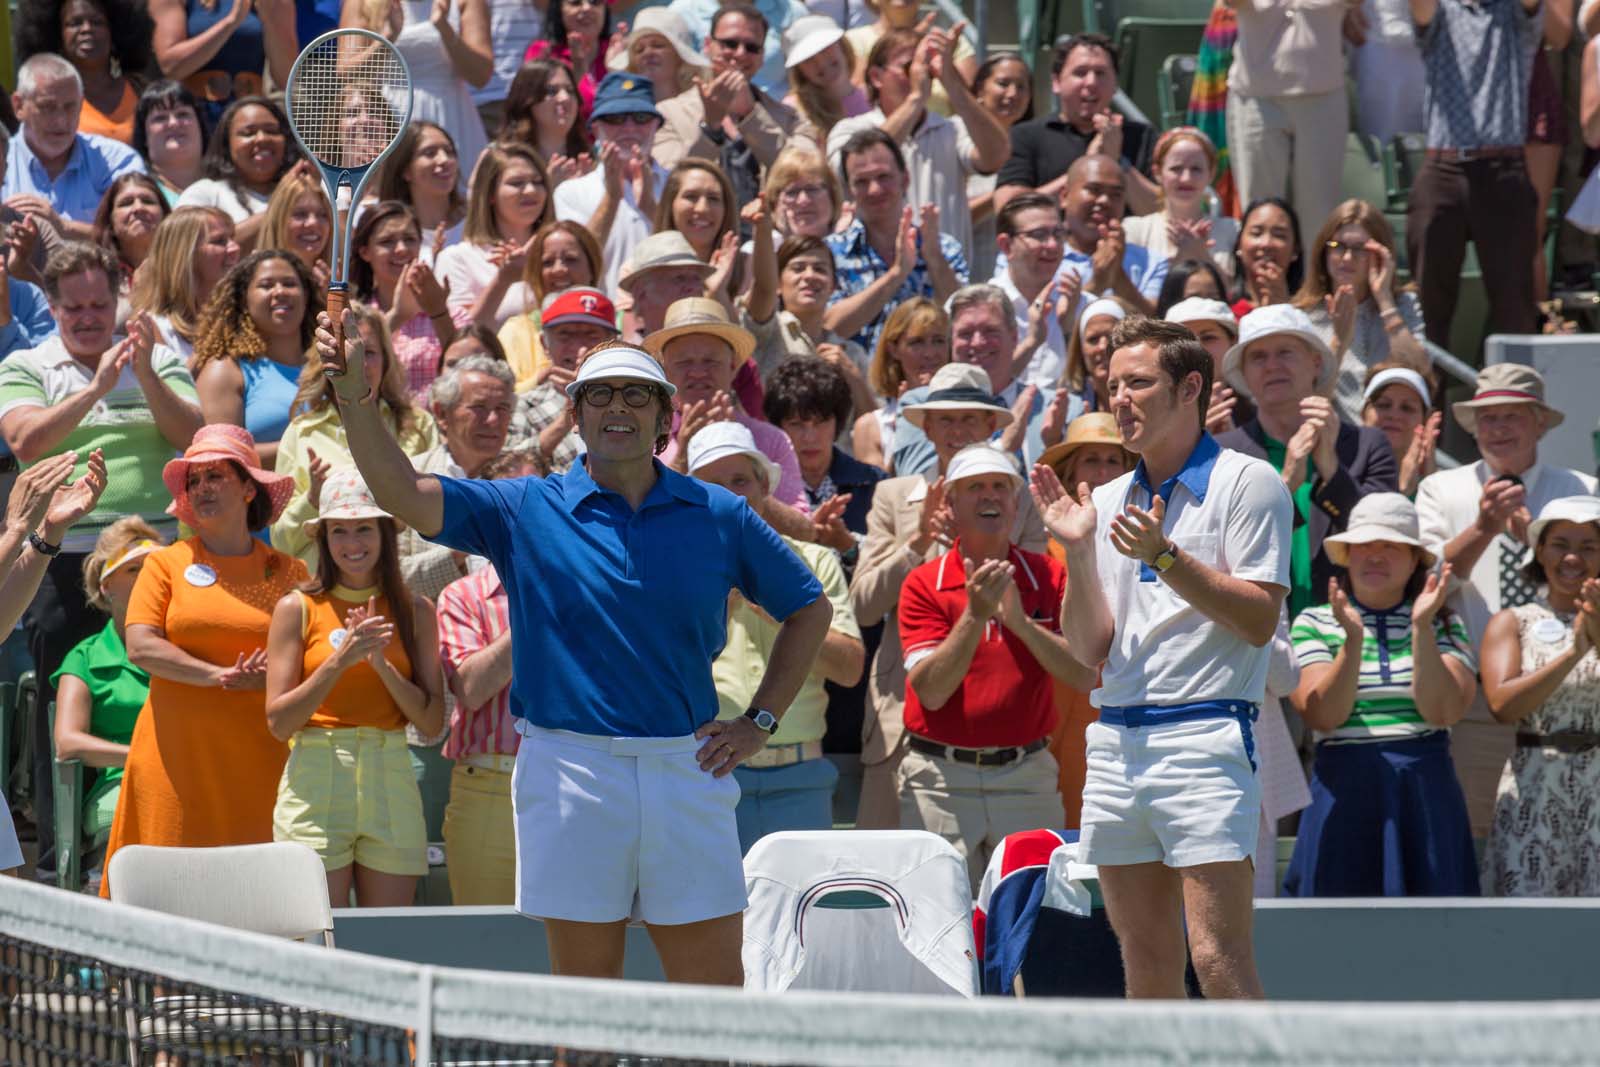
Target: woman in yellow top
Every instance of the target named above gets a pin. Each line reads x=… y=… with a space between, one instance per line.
x=314 y=441
x=352 y=656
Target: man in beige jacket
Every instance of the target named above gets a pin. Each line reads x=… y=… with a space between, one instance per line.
x=909 y=525
x=728 y=110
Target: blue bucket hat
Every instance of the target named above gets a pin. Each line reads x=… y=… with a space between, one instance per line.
x=622 y=93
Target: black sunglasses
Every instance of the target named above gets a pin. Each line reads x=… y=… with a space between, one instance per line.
x=635 y=396
x=637 y=118
x=733 y=44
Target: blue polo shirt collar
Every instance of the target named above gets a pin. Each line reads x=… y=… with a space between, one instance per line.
x=1194 y=475
x=577 y=485
x=36 y=169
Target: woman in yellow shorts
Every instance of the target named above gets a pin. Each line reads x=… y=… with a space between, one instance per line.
x=351 y=658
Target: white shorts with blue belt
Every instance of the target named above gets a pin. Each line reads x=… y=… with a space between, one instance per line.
x=1174 y=785
x=623 y=828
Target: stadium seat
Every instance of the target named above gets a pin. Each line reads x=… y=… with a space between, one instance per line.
x=886 y=911
x=67 y=781
x=1144 y=45
x=1402 y=158
x=1174 y=86
x=1103 y=16
x=1363 y=175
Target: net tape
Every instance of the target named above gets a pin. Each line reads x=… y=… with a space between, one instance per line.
x=349 y=95
x=86 y=983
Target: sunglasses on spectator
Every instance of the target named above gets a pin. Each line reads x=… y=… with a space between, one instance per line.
x=796 y=193
x=733 y=44
x=635 y=396
x=1341 y=248
x=626 y=118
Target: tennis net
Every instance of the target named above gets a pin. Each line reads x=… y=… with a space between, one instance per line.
x=86 y=983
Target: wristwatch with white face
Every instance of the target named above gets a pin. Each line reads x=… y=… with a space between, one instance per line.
x=764 y=719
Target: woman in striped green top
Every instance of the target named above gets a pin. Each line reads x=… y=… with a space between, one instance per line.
x=1384 y=673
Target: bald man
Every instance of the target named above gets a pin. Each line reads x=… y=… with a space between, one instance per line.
x=1097 y=251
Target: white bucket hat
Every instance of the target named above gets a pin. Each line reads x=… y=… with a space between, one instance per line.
x=1201 y=309
x=979 y=459
x=807 y=36
x=1566 y=509
x=958 y=387
x=345 y=496
x=620 y=362
x=664 y=23
x=1389 y=517
x=723 y=439
x=1398 y=375
x=1270 y=321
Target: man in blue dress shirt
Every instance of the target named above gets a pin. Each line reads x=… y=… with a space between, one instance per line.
x=618 y=574
x=52 y=170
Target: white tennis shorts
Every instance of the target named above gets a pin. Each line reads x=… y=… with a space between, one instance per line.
x=1182 y=794
x=619 y=828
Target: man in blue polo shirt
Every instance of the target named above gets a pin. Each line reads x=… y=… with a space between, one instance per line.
x=52 y=170
x=618 y=574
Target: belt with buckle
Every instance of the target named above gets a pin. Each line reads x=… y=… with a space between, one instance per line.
x=1468 y=155
x=491 y=762
x=978 y=757
x=784 y=755
x=1567 y=742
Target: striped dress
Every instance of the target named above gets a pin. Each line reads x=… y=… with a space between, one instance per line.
x=1208 y=98
x=1387 y=815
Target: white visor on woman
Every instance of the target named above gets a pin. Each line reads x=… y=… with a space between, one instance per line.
x=1105 y=307
x=1403 y=375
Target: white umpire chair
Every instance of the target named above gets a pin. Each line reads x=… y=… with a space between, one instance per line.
x=882 y=911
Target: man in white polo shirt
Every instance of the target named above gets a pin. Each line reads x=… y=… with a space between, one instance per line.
x=1191 y=553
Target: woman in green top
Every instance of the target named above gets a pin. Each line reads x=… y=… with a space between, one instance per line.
x=98 y=692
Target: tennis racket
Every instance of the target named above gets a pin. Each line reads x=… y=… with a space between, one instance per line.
x=349 y=98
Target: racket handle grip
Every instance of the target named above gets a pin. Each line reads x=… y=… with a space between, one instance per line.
x=338 y=300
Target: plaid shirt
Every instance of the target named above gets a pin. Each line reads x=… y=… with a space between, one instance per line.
x=473 y=611
x=856 y=265
x=417 y=348
x=539 y=407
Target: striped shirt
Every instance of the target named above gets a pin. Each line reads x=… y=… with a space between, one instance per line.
x=473 y=611
x=1384 y=707
x=120 y=424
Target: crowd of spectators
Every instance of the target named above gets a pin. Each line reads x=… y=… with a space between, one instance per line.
x=884 y=281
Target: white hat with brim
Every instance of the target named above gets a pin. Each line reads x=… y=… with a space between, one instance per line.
x=1565 y=509
x=1389 y=518
x=977 y=460
x=1398 y=376
x=720 y=440
x=808 y=36
x=958 y=387
x=344 y=498
x=663 y=23
x=1201 y=309
x=621 y=362
x=1272 y=321
x=1506 y=383
x=668 y=249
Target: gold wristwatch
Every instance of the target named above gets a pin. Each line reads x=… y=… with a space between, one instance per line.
x=1169 y=555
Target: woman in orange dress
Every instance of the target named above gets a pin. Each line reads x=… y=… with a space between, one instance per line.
x=1091 y=453
x=202 y=767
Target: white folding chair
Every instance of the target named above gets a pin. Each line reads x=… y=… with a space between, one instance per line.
x=885 y=911
x=279 y=889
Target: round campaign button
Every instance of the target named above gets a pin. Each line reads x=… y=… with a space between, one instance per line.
x=1549 y=631
x=200 y=575
x=336 y=639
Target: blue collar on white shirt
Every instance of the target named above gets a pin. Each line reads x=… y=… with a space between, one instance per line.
x=1194 y=475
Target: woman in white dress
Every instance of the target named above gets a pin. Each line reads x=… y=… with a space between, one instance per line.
x=448 y=58
x=510 y=200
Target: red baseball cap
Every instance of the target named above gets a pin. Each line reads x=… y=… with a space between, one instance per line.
x=580 y=304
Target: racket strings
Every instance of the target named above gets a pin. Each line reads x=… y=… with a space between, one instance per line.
x=348 y=99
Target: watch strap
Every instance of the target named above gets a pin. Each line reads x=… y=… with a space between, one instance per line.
x=41 y=546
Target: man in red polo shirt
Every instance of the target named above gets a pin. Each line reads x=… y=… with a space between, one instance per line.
x=981 y=630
